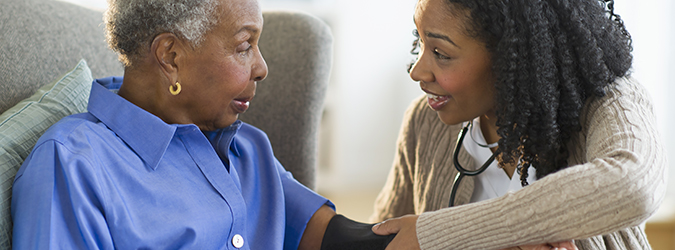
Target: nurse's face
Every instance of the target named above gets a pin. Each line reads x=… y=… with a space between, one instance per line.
x=452 y=68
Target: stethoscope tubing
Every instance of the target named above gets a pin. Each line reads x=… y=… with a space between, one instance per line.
x=461 y=171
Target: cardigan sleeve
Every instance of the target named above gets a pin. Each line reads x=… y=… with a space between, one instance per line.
x=619 y=185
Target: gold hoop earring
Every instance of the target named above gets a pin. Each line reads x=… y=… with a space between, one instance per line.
x=175 y=90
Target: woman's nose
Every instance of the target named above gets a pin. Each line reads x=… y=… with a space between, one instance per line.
x=259 y=68
x=420 y=70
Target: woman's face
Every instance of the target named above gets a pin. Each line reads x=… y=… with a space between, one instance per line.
x=452 y=68
x=219 y=77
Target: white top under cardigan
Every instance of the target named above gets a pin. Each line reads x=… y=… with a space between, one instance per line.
x=493 y=182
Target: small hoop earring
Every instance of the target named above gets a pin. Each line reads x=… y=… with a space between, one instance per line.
x=175 y=90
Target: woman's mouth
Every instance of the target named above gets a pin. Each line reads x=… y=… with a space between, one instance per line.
x=241 y=105
x=437 y=102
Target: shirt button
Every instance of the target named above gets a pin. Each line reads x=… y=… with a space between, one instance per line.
x=238 y=241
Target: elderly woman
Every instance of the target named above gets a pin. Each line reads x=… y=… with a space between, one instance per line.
x=164 y=163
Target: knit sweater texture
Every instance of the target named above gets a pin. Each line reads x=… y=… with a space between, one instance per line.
x=615 y=181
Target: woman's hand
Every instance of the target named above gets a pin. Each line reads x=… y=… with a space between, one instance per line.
x=406 y=236
x=405 y=229
x=565 y=245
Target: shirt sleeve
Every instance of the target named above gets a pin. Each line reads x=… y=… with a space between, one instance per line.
x=56 y=203
x=301 y=204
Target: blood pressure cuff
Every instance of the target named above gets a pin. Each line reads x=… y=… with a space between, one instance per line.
x=345 y=234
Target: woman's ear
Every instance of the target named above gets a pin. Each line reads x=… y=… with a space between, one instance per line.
x=166 y=48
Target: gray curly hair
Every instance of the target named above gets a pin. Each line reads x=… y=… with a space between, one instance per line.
x=131 y=25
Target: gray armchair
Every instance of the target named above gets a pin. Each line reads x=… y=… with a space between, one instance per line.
x=40 y=40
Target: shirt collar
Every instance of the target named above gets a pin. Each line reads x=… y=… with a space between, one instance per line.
x=148 y=135
x=222 y=141
x=145 y=133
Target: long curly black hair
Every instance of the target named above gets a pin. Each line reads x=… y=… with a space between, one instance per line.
x=549 y=57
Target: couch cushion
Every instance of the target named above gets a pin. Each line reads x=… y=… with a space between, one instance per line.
x=23 y=124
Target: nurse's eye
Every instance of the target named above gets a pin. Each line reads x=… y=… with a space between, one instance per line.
x=440 y=55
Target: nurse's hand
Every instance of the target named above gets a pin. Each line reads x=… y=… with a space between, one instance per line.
x=405 y=229
x=565 y=245
x=406 y=236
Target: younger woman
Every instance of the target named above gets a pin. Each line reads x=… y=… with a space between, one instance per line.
x=543 y=87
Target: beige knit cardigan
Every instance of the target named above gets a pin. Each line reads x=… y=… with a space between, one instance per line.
x=615 y=181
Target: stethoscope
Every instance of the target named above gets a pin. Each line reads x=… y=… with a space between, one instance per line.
x=461 y=171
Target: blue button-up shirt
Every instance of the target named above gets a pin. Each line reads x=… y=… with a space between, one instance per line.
x=119 y=177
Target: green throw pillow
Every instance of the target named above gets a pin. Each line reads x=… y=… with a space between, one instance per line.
x=23 y=124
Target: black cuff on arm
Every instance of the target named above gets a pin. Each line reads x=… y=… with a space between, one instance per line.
x=345 y=234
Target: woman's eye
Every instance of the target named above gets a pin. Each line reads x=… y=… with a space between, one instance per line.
x=244 y=47
x=440 y=55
